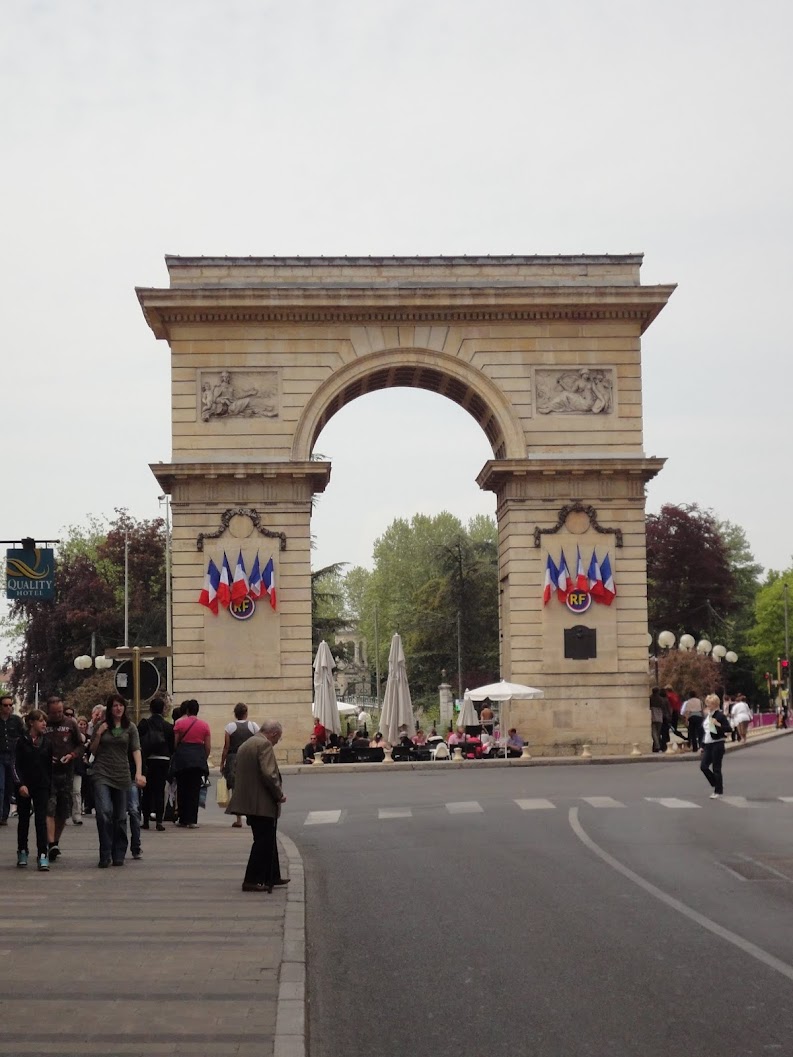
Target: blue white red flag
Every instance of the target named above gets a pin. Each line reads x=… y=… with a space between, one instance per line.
x=581 y=581
x=224 y=586
x=551 y=580
x=209 y=592
x=595 y=578
x=239 y=586
x=609 y=588
x=564 y=582
x=269 y=581
x=255 y=585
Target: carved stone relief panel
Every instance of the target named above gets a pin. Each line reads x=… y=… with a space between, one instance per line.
x=238 y=394
x=575 y=391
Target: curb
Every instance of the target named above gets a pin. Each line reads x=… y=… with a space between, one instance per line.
x=290 y=1020
x=534 y=761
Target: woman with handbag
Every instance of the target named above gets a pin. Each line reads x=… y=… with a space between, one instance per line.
x=193 y=744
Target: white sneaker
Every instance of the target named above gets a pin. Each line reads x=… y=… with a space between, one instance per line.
x=715 y=796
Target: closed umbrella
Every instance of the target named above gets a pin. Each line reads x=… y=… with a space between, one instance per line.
x=397 y=707
x=468 y=716
x=325 y=708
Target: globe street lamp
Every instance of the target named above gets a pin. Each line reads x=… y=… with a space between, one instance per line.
x=666 y=641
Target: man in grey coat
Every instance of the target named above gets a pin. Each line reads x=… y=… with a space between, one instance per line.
x=258 y=794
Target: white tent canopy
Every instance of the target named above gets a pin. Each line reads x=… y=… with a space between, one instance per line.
x=503 y=691
x=325 y=707
x=397 y=707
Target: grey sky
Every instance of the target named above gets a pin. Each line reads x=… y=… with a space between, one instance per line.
x=391 y=127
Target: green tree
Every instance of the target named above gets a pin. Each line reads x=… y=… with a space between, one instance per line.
x=766 y=638
x=426 y=570
x=89 y=601
x=327 y=603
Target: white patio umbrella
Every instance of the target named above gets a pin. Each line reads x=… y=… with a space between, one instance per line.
x=397 y=706
x=325 y=708
x=503 y=692
x=468 y=716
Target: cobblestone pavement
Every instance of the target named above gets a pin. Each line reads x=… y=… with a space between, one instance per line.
x=165 y=955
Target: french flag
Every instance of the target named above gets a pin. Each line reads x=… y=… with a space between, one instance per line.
x=609 y=590
x=563 y=583
x=595 y=578
x=209 y=592
x=224 y=586
x=239 y=586
x=581 y=581
x=551 y=580
x=269 y=581
x=255 y=585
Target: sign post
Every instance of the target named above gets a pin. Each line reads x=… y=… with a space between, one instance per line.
x=134 y=654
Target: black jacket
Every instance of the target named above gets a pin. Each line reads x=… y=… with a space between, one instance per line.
x=722 y=724
x=33 y=763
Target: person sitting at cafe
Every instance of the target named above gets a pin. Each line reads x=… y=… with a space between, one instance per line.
x=515 y=743
x=457 y=737
x=405 y=740
x=379 y=742
x=488 y=742
x=360 y=740
x=420 y=738
x=310 y=749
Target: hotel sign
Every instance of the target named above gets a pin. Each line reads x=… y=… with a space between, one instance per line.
x=30 y=574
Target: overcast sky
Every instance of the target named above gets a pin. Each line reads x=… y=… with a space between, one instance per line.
x=392 y=127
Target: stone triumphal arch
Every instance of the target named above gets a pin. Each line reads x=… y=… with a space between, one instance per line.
x=545 y=354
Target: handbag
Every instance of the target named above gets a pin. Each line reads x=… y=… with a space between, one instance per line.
x=188 y=755
x=222 y=792
x=202 y=793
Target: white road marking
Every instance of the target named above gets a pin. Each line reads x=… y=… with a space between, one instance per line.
x=786 y=799
x=463 y=807
x=681 y=908
x=670 y=801
x=737 y=801
x=537 y=804
x=321 y=818
x=602 y=801
x=394 y=812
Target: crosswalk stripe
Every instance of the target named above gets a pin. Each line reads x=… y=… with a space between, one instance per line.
x=602 y=801
x=738 y=801
x=321 y=818
x=670 y=801
x=394 y=812
x=786 y=799
x=537 y=804
x=463 y=807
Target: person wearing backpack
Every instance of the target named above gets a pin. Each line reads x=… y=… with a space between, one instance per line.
x=156 y=741
x=236 y=734
x=715 y=728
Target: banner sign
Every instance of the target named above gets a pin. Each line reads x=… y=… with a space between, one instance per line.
x=30 y=574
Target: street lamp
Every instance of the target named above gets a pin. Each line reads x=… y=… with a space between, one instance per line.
x=687 y=643
x=666 y=641
x=83 y=662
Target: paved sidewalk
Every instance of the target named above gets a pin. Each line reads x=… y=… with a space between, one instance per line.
x=162 y=956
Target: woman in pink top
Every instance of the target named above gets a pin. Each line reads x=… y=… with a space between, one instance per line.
x=193 y=743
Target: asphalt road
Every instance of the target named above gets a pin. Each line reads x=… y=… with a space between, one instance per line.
x=554 y=911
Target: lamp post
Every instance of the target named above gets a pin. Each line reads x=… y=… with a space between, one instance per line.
x=666 y=641
x=166 y=500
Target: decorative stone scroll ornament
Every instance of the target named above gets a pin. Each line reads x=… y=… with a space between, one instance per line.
x=583 y=391
x=577 y=508
x=225 y=397
x=225 y=521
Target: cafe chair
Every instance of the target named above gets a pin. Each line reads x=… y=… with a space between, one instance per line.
x=440 y=751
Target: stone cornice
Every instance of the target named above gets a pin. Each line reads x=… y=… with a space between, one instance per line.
x=167 y=474
x=495 y=473
x=409 y=302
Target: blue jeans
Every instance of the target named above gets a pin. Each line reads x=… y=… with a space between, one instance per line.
x=111 y=821
x=6 y=783
x=133 y=810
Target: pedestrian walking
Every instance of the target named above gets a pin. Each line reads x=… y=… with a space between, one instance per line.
x=114 y=741
x=33 y=772
x=80 y=765
x=692 y=713
x=11 y=729
x=656 y=719
x=193 y=743
x=715 y=728
x=258 y=793
x=156 y=746
x=236 y=734
x=67 y=746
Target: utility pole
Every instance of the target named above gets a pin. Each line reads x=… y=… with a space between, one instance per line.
x=376 y=659
x=459 y=656
x=787 y=645
x=126 y=587
x=168 y=609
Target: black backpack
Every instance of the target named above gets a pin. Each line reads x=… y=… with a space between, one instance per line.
x=154 y=742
